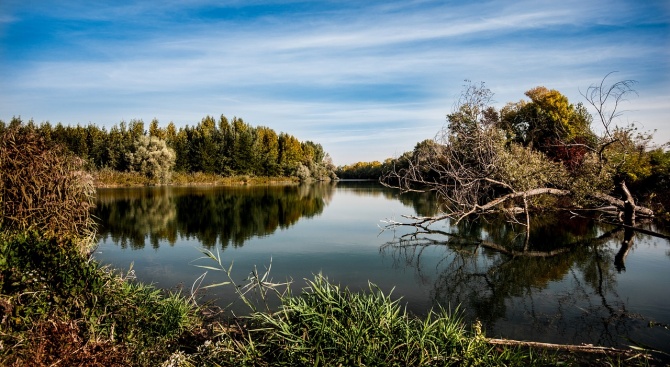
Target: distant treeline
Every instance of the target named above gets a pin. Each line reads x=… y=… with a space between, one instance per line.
x=224 y=147
x=364 y=170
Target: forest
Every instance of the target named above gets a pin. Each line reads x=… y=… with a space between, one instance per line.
x=224 y=147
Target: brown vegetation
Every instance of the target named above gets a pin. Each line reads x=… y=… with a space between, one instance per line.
x=41 y=188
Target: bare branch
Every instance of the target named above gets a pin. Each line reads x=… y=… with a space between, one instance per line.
x=606 y=100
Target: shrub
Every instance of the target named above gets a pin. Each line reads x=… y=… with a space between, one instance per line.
x=152 y=158
x=42 y=188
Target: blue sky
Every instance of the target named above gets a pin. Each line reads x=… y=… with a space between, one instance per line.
x=366 y=79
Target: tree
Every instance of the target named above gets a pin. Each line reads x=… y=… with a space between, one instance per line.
x=152 y=158
x=155 y=130
x=551 y=124
x=182 y=150
x=477 y=165
x=205 y=145
x=290 y=153
x=268 y=144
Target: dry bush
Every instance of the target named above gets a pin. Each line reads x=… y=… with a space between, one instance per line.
x=42 y=188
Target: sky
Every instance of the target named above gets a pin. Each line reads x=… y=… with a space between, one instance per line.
x=366 y=79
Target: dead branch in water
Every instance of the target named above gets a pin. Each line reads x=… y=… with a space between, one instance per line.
x=583 y=348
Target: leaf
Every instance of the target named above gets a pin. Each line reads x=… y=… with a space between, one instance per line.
x=216 y=285
x=208 y=267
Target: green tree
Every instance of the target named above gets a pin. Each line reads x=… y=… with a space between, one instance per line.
x=551 y=124
x=155 y=130
x=268 y=143
x=182 y=150
x=290 y=153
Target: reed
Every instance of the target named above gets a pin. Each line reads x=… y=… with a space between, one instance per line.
x=327 y=325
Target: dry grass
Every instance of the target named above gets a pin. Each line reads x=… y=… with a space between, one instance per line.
x=42 y=188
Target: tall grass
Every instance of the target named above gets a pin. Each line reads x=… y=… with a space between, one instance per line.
x=327 y=325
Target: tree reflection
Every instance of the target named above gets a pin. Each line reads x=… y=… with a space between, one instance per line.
x=564 y=279
x=230 y=215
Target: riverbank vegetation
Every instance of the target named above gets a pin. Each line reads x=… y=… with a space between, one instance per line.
x=539 y=154
x=210 y=152
x=59 y=307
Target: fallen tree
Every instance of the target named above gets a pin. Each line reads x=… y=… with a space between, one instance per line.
x=527 y=157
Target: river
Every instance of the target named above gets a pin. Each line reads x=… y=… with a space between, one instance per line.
x=584 y=283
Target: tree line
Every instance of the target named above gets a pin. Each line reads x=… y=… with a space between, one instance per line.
x=224 y=147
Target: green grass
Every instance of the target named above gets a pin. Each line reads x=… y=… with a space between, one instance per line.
x=327 y=325
x=50 y=292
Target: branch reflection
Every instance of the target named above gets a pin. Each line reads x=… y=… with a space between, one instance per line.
x=564 y=284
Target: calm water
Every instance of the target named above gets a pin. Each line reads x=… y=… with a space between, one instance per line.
x=582 y=286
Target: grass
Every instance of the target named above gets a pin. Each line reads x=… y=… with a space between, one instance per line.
x=327 y=325
x=110 y=178
x=60 y=308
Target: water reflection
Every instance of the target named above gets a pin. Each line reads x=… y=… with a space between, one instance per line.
x=134 y=217
x=224 y=215
x=561 y=285
x=422 y=204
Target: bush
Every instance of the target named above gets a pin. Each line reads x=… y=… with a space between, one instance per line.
x=43 y=189
x=303 y=173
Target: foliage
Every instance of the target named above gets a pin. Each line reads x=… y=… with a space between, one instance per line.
x=303 y=172
x=151 y=157
x=57 y=306
x=550 y=124
x=42 y=188
x=364 y=170
x=628 y=156
x=524 y=169
x=483 y=157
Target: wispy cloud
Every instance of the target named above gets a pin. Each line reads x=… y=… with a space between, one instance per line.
x=364 y=79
